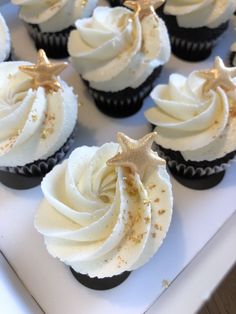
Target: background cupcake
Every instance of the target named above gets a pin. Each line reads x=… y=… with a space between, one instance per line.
x=119 y=54
x=50 y=22
x=194 y=26
x=115 y=210
x=37 y=117
x=195 y=118
x=5 y=41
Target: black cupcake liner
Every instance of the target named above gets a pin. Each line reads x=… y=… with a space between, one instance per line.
x=191 y=44
x=116 y=3
x=231 y=58
x=54 y=44
x=18 y=177
x=125 y=102
x=197 y=175
x=100 y=283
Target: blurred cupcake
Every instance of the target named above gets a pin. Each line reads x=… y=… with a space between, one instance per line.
x=233 y=55
x=106 y=210
x=195 y=118
x=119 y=54
x=37 y=116
x=195 y=26
x=50 y=22
x=5 y=41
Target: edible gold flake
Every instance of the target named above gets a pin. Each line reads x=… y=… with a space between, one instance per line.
x=137 y=155
x=218 y=76
x=147 y=220
x=34 y=117
x=44 y=73
x=143 y=8
x=156 y=200
x=161 y=211
x=165 y=283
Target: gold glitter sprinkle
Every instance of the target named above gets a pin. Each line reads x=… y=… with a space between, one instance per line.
x=161 y=211
x=146 y=202
x=44 y=73
x=34 y=117
x=153 y=235
x=147 y=220
x=156 y=200
x=165 y=283
x=137 y=155
x=152 y=186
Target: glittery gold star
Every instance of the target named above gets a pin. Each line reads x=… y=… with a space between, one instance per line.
x=143 y=8
x=218 y=76
x=44 y=73
x=136 y=155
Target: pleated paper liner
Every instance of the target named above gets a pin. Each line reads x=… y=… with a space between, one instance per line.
x=191 y=44
x=126 y=102
x=54 y=44
x=30 y=175
x=196 y=175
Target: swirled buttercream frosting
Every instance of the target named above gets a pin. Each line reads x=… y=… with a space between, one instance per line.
x=202 y=126
x=5 y=40
x=114 y=49
x=199 y=13
x=103 y=220
x=54 y=15
x=34 y=124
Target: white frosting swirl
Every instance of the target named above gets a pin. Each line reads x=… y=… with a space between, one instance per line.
x=199 y=13
x=54 y=15
x=5 y=40
x=186 y=120
x=102 y=220
x=33 y=124
x=114 y=49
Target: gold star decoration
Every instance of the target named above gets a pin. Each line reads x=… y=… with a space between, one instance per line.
x=136 y=154
x=44 y=73
x=143 y=8
x=218 y=76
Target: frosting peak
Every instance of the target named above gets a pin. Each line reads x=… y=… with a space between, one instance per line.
x=114 y=49
x=103 y=220
x=33 y=124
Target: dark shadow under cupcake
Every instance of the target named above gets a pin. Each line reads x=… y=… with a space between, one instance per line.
x=196 y=175
x=116 y=3
x=100 y=283
x=191 y=44
x=126 y=102
x=54 y=44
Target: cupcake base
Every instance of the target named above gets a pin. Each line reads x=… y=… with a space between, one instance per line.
x=199 y=183
x=54 y=44
x=126 y=102
x=232 y=57
x=30 y=175
x=100 y=283
x=116 y=3
x=196 y=175
x=191 y=44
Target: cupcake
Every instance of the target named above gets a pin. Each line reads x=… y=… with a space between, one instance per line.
x=195 y=118
x=233 y=55
x=37 y=116
x=119 y=54
x=195 y=26
x=50 y=22
x=5 y=41
x=106 y=210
